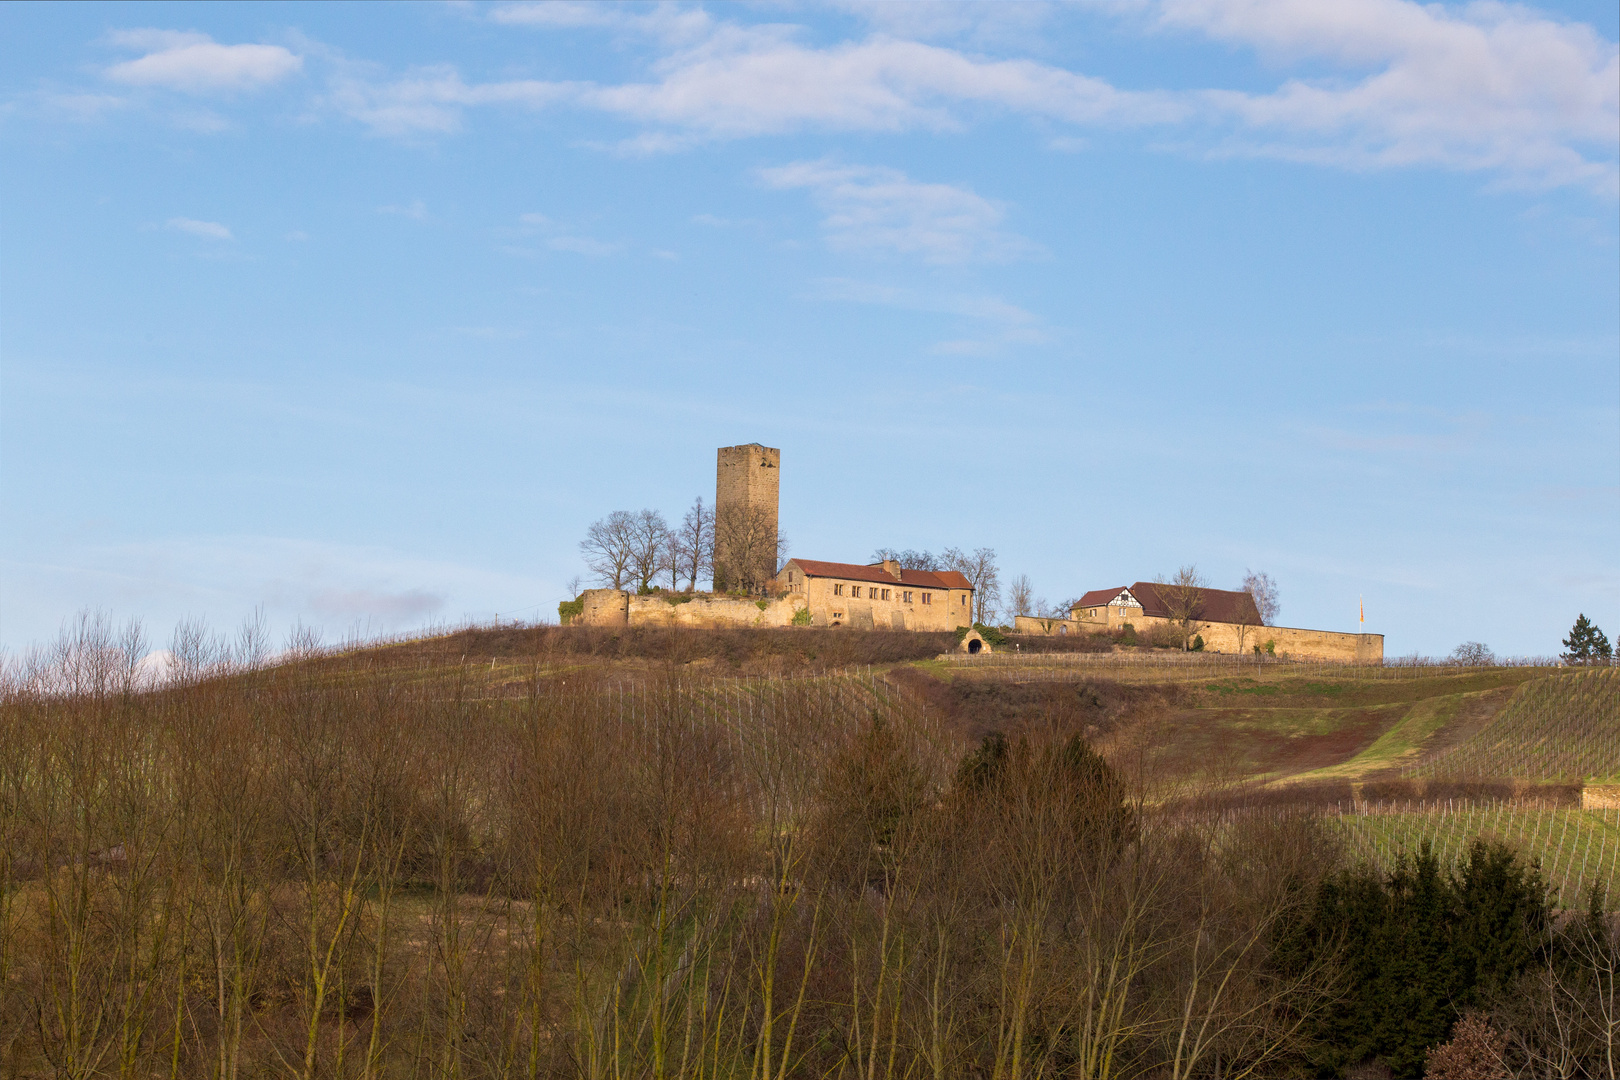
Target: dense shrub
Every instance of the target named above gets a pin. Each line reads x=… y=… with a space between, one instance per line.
x=1417 y=946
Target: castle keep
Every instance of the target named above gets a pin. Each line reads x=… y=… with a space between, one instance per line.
x=747 y=493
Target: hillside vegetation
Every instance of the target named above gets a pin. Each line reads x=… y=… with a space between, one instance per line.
x=539 y=852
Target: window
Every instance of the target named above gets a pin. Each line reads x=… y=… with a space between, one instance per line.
x=885 y=594
x=855 y=591
x=838 y=590
x=964 y=601
x=906 y=596
x=928 y=598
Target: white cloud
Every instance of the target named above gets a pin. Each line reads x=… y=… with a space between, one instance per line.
x=759 y=81
x=735 y=81
x=195 y=63
x=880 y=210
x=208 y=230
x=1486 y=87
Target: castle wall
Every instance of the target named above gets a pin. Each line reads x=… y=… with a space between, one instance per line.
x=615 y=607
x=1291 y=642
x=604 y=607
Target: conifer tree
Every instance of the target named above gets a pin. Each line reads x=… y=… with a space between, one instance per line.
x=1586 y=644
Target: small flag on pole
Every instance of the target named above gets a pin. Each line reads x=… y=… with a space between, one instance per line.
x=1363 y=604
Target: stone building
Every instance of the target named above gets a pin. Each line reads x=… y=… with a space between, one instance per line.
x=747 y=494
x=1227 y=621
x=878 y=596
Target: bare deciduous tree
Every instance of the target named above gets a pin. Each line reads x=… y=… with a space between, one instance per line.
x=1263 y=591
x=747 y=550
x=910 y=559
x=609 y=548
x=649 y=548
x=1184 y=594
x=980 y=569
x=694 y=545
x=1021 y=596
x=1472 y=654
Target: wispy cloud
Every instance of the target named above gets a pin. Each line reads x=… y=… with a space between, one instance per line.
x=562 y=237
x=666 y=21
x=196 y=64
x=583 y=245
x=80 y=107
x=1492 y=88
x=1487 y=87
x=385 y=607
x=1007 y=324
x=208 y=230
x=416 y=210
x=879 y=210
x=430 y=100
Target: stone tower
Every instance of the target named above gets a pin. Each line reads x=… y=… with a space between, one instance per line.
x=747 y=487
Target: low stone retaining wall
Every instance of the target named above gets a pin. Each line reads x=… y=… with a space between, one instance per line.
x=1600 y=797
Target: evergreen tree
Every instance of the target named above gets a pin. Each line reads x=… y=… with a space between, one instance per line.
x=1418 y=982
x=1502 y=917
x=1413 y=948
x=1586 y=644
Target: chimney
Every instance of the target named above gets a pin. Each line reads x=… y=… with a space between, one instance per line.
x=892 y=568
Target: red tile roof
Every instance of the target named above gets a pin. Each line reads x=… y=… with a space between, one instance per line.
x=1097 y=598
x=920 y=579
x=1214 y=605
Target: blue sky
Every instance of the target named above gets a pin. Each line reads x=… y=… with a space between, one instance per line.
x=358 y=315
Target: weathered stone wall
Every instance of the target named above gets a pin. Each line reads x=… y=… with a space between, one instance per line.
x=615 y=607
x=949 y=608
x=1292 y=642
x=604 y=607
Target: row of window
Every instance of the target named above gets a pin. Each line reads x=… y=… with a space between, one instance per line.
x=873 y=592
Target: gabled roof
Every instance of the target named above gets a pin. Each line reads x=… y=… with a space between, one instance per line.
x=1212 y=605
x=917 y=579
x=1098 y=597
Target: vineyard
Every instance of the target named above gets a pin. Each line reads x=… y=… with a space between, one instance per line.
x=1563 y=727
x=1577 y=850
